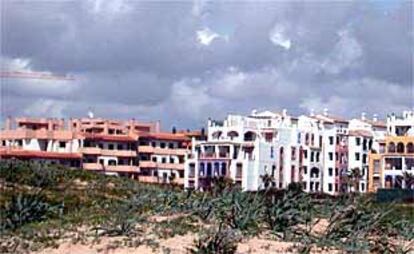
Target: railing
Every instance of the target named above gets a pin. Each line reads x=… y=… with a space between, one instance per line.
x=164 y=151
x=120 y=153
x=122 y=168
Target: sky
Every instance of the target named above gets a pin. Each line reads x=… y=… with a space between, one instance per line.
x=183 y=62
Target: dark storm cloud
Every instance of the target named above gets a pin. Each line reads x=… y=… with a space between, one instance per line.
x=184 y=61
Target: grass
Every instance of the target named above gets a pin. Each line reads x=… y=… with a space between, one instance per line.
x=41 y=205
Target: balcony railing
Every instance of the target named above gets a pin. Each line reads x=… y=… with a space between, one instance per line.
x=163 y=151
x=122 y=168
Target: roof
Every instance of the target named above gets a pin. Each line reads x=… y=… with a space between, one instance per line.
x=361 y=133
x=375 y=123
x=166 y=136
x=106 y=137
x=331 y=118
x=38 y=154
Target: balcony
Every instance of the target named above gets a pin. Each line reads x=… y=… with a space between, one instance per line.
x=147 y=164
x=148 y=179
x=208 y=155
x=176 y=166
x=119 y=153
x=92 y=166
x=162 y=151
x=122 y=168
x=145 y=149
x=91 y=150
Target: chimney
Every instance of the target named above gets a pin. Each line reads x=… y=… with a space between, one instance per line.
x=49 y=124
x=375 y=118
x=312 y=112
x=157 y=126
x=8 y=123
x=284 y=112
x=106 y=127
x=325 y=111
x=70 y=124
x=363 y=116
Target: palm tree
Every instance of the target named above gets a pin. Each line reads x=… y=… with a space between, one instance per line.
x=267 y=180
x=354 y=178
x=408 y=179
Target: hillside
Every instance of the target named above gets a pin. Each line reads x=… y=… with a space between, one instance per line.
x=51 y=209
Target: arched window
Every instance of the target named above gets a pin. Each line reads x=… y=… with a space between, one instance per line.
x=232 y=134
x=217 y=134
x=249 y=136
x=410 y=148
x=400 y=147
x=391 y=147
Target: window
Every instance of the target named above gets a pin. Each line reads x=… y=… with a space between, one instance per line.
x=358 y=141
x=171 y=145
x=171 y=160
x=362 y=186
x=357 y=156
x=311 y=186
x=336 y=172
x=111 y=146
x=364 y=158
x=120 y=147
x=112 y=162
x=62 y=144
x=317 y=157
x=336 y=187
x=317 y=186
x=153 y=144
x=162 y=145
x=329 y=186
x=163 y=160
x=272 y=152
x=331 y=140
x=305 y=185
x=305 y=169
x=330 y=156
x=305 y=154
x=330 y=171
x=154 y=159
x=312 y=156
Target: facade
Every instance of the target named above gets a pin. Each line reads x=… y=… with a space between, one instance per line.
x=125 y=148
x=324 y=153
x=393 y=161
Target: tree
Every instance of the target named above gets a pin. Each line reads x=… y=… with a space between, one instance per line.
x=354 y=178
x=267 y=180
x=408 y=179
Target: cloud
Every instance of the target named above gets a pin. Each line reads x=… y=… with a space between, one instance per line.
x=167 y=60
x=277 y=36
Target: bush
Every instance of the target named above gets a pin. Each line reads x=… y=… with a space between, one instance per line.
x=24 y=208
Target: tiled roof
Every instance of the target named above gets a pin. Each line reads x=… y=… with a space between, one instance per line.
x=376 y=123
x=106 y=137
x=38 y=154
x=361 y=133
x=166 y=136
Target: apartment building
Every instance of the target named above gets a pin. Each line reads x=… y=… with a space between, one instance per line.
x=240 y=147
x=102 y=145
x=389 y=164
x=325 y=153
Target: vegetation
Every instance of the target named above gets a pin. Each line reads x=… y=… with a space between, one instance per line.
x=42 y=205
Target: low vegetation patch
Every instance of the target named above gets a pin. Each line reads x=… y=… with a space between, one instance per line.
x=43 y=206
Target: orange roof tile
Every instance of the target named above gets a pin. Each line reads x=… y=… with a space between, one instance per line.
x=166 y=136
x=106 y=137
x=38 y=154
x=376 y=123
x=361 y=133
